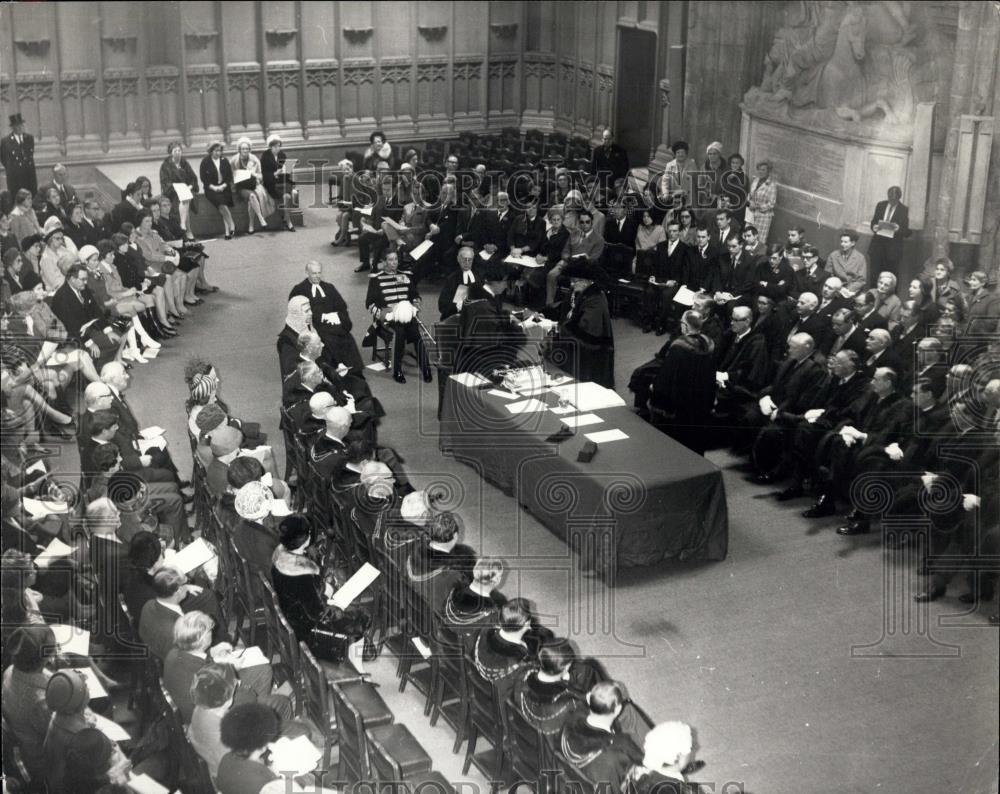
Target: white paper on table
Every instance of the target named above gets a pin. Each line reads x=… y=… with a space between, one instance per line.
x=485 y=255
x=38 y=465
x=469 y=379
x=331 y=318
x=522 y=261
x=559 y=410
x=192 y=556
x=505 y=394
x=684 y=296
x=144 y=784
x=366 y=210
x=250 y=657
x=378 y=366
x=588 y=396
x=94 y=686
x=71 y=639
x=112 y=730
x=461 y=293
x=581 y=420
x=421 y=249
x=53 y=551
x=38 y=508
x=183 y=191
x=298 y=755
x=529 y=406
x=606 y=435
x=146 y=444
x=355 y=586
x=241 y=175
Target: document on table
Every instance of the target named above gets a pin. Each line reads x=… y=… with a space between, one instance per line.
x=112 y=730
x=52 y=552
x=355 y=586
x=192 y=556
x=71 y=639
x=507 y=395
x=469 y=379
x=529 y=406
x=421 y=249
x=684 y=296
x=606 y=435
x=559 y=410
x=522 y=261
x=581 y=420
x=588 y=396
x=94 y=686
x=183 y=191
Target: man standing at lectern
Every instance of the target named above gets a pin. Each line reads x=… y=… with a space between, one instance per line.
x=886 y=249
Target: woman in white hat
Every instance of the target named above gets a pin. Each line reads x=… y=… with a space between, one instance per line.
x=277 y=183
x=217 y=177
x=251 y=191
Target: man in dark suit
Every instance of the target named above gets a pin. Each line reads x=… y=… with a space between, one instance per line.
x=466 y=275
x=156 y=622
x=703 y=262
x=879 y=353
x=866 y=312
x=742 y=366
x=725 y=230
x=808 y=321
x=17 y=154
x=737 y=272
x=619 y=242
x=498 y=246
x=67 y=193
x=812 y=276
x=671 y=269
x=609 y=162
x=793 y=392
x=477 y=225
x=830 y=298
x=330 y=317
x=328 y=455
x=75 y=306
x=847 y=334
x=885 y=252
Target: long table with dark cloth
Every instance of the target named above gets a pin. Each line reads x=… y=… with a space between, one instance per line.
x=640 y=500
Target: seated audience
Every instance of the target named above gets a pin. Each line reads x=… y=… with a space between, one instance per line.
x=590 y=742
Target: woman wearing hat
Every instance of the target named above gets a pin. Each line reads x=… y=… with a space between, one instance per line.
x=277 y=183
x=173 y=170
x=217 y=177
x=251 y=191
x=57 y=252
x=379 y=151
x=51 y=200
x=585 y=326
x=982 y=304
x=17 y=276
x=715 y=167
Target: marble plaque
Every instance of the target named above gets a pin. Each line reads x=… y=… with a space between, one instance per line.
x=807 y=162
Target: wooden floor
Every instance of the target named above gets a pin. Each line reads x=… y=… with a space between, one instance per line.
x=801 y=660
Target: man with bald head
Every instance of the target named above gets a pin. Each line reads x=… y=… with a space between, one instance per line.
x=879 y=353
x=330 y=316
x=96 y=397
x=742 y=367
x=809 y=321
x=794 y=390
x=328 y=455
x=830 y=298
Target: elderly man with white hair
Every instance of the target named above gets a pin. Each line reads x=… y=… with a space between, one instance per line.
x=879 y=353
x=331 y=319
x=810 y=321
x=668 y=752
x=329 y=452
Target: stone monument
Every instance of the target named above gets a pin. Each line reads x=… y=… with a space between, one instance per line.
x=845 y=108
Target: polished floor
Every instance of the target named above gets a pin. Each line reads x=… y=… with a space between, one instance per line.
x=801 y=659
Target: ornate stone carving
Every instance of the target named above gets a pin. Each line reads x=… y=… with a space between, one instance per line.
x=200 y=41
x=33 y=90
x=359 y=75
x=663 y=89
x=432 y=32
x=504 y=30
x=119 y=43
x=839 y=64
x=34 y=47
x=279 y=38
x=358 y=35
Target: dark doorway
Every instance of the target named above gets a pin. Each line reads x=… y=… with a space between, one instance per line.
x=635 y=93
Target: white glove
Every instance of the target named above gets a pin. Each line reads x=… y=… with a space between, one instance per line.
x=927 y=478
x=767 y=406
x=970 y=501
x=813 y=414
x=894 y=451
x=387 y=317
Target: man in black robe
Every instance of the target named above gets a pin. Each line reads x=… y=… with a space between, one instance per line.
x=585 y=325
x=332 y=321
x=488 y=337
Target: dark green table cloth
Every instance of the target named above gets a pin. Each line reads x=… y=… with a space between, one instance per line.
x=640 y=500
